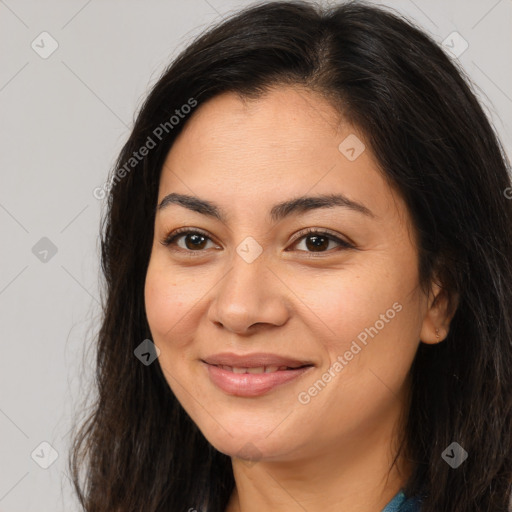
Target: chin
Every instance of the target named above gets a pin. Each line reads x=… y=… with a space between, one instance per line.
x=250 y=444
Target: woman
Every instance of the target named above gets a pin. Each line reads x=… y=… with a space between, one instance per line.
x=307 y=261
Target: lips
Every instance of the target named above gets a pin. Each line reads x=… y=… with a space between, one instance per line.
x=256 y=360
x=255 y=369
x=253 y=375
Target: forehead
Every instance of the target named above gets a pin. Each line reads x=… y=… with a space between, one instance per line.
x=284 y=119
x=252 y=154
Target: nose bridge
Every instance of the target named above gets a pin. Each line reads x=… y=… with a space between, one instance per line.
x=249 y=293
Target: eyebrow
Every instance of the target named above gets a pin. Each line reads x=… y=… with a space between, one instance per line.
x=278 y=212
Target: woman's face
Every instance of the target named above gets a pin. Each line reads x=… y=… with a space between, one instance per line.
x=347 y=303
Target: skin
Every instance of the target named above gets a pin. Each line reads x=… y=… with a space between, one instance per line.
x=335 y=452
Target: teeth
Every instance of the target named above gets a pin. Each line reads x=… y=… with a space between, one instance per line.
x=259 y=369
x=239 y=370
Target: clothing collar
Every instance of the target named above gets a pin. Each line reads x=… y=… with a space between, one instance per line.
x=400 y=503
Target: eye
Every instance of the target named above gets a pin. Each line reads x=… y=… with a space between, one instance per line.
x=315 y=240
x=195 y=240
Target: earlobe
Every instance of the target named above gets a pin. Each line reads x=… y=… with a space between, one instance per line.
x=431 y=334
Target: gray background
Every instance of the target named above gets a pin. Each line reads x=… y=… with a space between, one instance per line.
x=64 y=119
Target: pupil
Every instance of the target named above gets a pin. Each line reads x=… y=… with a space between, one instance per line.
x=195 y=238
x=318 y=241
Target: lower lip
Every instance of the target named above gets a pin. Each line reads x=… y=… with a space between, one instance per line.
x=251 y=384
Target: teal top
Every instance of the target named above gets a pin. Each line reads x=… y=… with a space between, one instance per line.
x=401 y=504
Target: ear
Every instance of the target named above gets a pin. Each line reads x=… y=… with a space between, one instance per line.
x=440 y=310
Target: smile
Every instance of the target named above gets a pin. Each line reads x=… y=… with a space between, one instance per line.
x=259 y=369
x=251 y=382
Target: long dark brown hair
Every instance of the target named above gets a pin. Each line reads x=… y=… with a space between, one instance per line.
x=138 y=450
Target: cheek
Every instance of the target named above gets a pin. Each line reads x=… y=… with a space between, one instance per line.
x=343 y=304
x=166 y=312
x=173 y=310
x=371 y=319
x=165 y=305
x=160 y=305
x=371 y=325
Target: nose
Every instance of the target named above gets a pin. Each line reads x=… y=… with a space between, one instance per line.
x=250 y=297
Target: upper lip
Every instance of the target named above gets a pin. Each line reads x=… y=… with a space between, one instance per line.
x=254 y=360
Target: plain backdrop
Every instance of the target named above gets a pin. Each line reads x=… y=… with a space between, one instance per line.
x=64 y=117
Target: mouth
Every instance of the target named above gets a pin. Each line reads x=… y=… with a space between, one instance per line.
x=252 y=381
x=256 y=360
x=259 y=369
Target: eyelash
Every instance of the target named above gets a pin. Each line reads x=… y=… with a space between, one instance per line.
x=172 y=237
